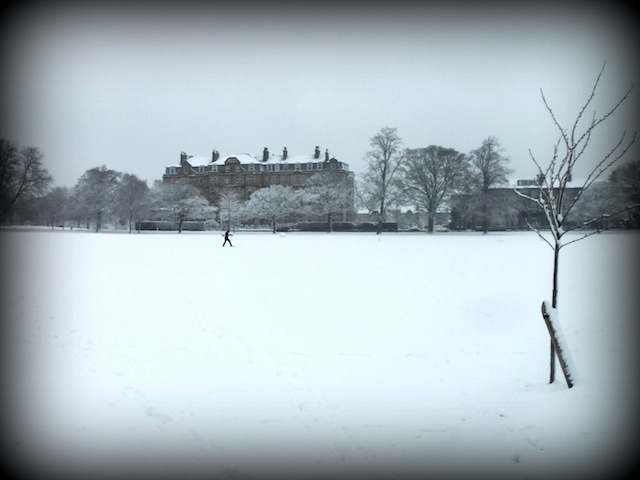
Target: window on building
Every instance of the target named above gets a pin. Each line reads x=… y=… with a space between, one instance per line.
x=214 y=168
x=214 y=179
x=269 y=168
x=201 y=169
x=277 y=167
x=238 y=179
x=251 y=167
x=227 y=168
x=226 y=180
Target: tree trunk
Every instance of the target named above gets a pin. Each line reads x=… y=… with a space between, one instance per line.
x=557 y=346
x=274 y=225
x=485 y=213
x=554 y=304
x=431 y=222
x=380 y=217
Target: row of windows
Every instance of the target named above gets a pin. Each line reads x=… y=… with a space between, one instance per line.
x=215 y=191
x=251 y=180
x=275 y=167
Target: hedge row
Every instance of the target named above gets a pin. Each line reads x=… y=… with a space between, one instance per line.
x=164 y=225
x=344 y=227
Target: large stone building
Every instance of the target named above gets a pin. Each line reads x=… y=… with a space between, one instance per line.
x=243 y=173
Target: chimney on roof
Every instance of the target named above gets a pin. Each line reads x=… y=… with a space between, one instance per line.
x=183 y=157
x=317 y=152
x=326 y=155
x=285 y=154
x=215 y=155
x=265 y=154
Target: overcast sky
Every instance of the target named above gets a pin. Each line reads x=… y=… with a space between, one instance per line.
x=131 y=85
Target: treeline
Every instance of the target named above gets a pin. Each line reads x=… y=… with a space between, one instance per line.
x=430 y=180
x=474 y=185
x=103 y=196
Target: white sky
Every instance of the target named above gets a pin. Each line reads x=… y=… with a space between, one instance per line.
x=131 y=85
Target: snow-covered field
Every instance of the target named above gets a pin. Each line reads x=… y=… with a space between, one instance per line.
x=345 y=355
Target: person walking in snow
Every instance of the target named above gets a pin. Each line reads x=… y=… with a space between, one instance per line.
x=226 y=238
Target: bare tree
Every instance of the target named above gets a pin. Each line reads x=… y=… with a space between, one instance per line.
x=383 y=162
x=552 y=195
x=431 y=175
x=22 y=176
x=488 y=169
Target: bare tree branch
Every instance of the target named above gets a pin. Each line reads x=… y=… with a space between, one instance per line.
x=584 y=107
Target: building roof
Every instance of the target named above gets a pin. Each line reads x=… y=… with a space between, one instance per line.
x=573 y=183
x=202 y=161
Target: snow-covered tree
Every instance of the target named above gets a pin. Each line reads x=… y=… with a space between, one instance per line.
x=378 y=189
x=54 y=206
x=132 y=199
x=602 y=197
x=95 y=193
x=552 y=195
x=327 y=194
x=626 y=179
x=180 y=201
x=431 y=175
x=231 y=208
x=274 y=203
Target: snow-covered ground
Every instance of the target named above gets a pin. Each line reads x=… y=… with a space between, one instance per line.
x=356 y=355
